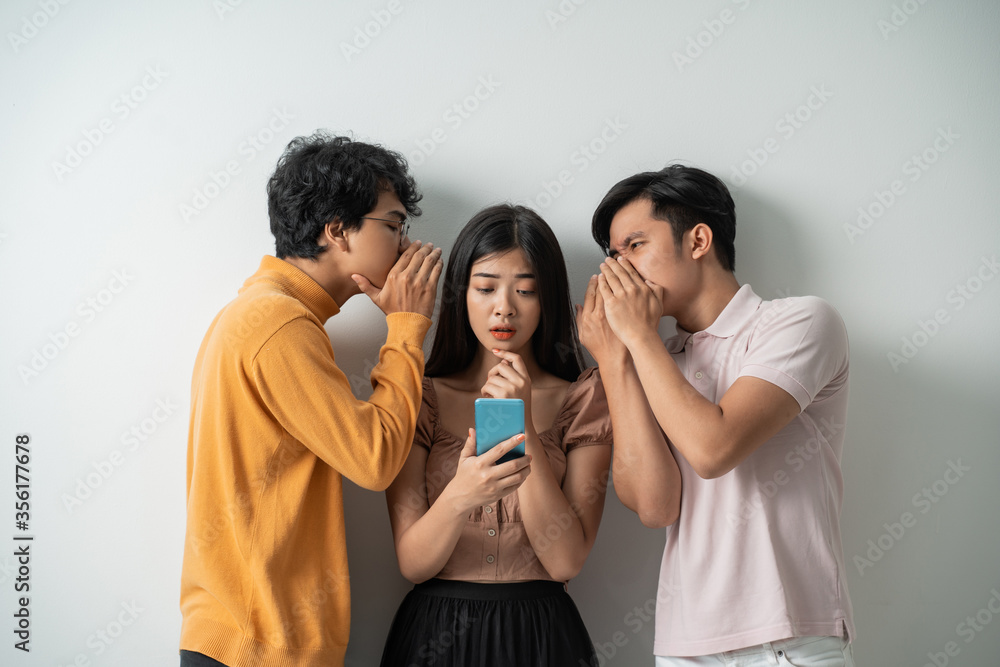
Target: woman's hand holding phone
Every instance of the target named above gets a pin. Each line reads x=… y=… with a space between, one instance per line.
x=479 y=480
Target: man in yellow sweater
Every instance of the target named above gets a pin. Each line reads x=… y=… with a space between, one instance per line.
x=274 y=424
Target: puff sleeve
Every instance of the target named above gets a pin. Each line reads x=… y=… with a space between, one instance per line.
x=585 y=420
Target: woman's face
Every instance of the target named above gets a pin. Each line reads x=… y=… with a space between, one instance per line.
x=502 y=300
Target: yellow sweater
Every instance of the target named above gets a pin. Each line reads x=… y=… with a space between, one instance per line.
x=274 y=425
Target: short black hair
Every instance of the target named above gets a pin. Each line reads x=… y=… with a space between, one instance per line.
x=322 y=177
x=682 y=196
x=494 y=231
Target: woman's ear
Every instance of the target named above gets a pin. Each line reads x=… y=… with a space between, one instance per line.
x=701 y=240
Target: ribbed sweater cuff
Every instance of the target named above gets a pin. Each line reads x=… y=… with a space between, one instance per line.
x=409 y=328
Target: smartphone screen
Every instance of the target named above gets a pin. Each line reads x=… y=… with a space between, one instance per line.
x=498 y=419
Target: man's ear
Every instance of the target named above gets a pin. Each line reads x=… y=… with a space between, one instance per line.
x=700 y=240
x=333 y=236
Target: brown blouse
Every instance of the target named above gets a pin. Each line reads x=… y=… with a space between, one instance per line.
x=494 y=545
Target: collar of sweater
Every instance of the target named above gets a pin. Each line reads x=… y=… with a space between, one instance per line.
x=294 y=282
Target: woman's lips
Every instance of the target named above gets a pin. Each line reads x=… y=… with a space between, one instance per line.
x=502 y=333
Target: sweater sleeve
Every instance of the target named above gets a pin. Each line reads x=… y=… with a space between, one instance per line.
x=310 y=397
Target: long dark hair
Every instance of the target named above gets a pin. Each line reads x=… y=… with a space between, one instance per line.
x=495 y=230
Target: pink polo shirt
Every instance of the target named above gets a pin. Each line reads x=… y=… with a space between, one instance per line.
x=755 y=555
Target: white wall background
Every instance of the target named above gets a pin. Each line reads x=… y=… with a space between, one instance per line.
x=116 y=115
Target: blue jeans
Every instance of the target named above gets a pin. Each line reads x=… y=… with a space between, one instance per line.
x=795 y=652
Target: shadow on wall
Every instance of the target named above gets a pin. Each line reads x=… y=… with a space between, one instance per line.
x=918 y=442
x=919 y=517
x=769 y=248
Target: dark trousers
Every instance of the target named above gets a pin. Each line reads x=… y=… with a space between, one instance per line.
x=195 y=659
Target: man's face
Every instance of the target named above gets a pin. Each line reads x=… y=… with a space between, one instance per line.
x=648 y=243
x=379 y=242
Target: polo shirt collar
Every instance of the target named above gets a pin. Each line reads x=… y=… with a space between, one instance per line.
x=296 y=283
x=739 y=309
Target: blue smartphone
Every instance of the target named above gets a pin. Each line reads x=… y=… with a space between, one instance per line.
x=498 y=419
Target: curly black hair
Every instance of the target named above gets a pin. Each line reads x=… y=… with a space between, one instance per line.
x=320 y=178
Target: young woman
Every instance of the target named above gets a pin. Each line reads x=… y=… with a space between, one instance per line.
x=491 y=546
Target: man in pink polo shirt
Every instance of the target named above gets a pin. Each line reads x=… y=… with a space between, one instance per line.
x=730 y=435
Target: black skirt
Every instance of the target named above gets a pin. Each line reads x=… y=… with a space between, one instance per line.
x=443 y=623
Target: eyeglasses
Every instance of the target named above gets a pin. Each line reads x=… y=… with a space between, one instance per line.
x=404 y=224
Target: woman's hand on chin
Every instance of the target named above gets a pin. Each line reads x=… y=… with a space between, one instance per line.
x=508 y=379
